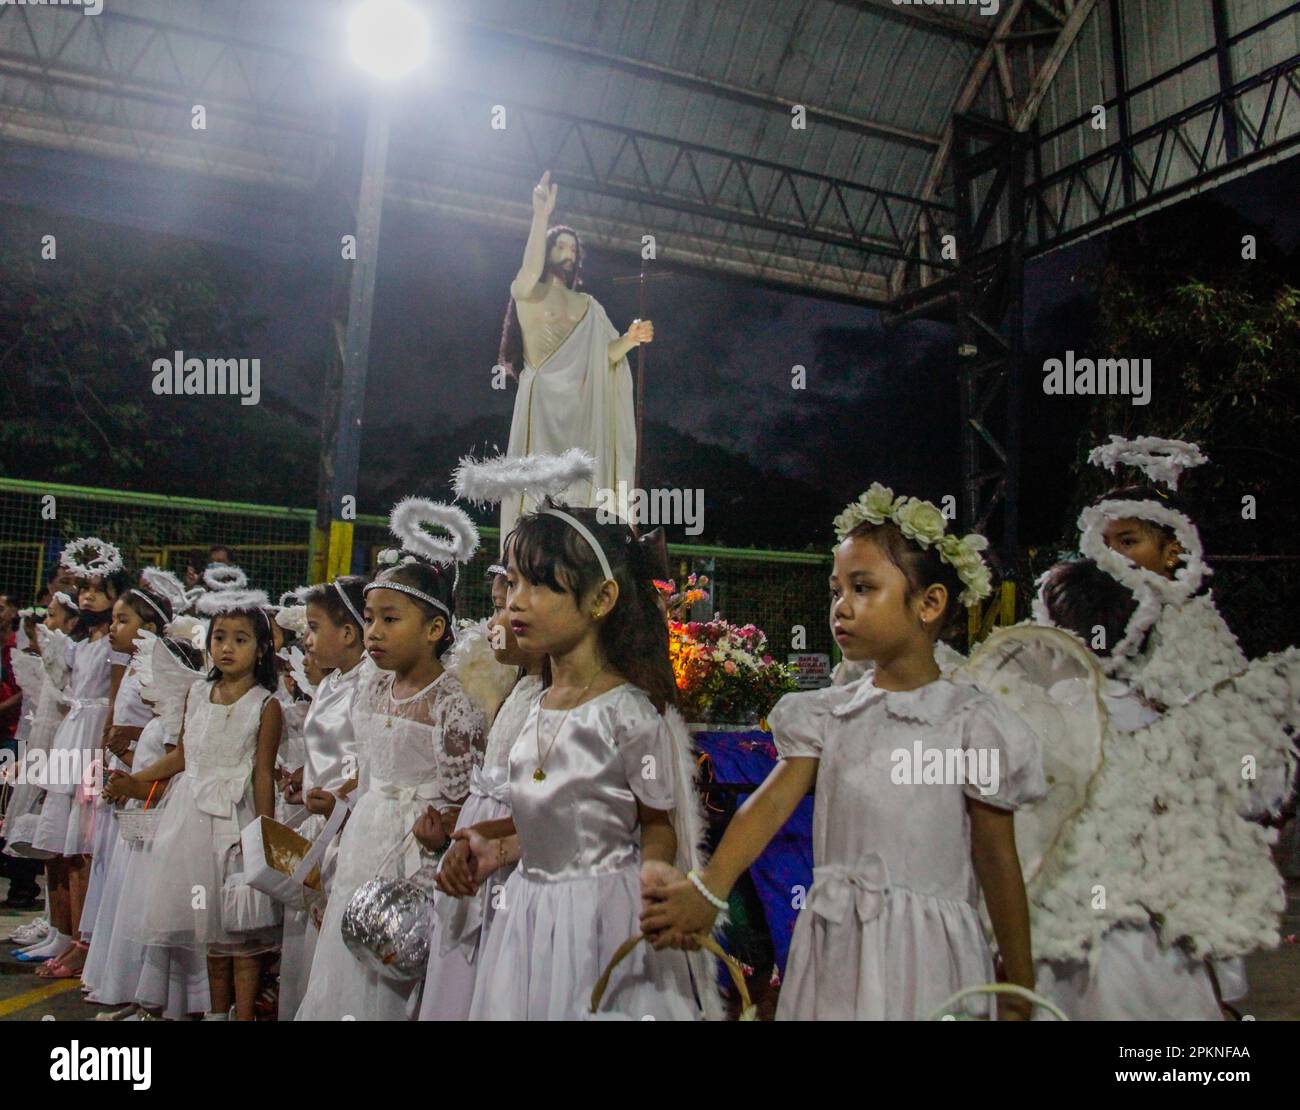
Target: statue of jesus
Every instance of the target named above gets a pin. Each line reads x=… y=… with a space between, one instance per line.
x=575 y=389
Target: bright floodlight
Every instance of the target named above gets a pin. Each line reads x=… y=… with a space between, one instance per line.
x=389 y=38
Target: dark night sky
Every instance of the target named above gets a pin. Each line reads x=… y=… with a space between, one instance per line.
x=879 y=404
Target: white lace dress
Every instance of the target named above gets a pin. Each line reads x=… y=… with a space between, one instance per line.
x=890 y=928
x=461 y=924
x=197 y=842
x=416 y=752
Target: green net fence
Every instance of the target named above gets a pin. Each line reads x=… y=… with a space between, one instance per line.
x=779 y=591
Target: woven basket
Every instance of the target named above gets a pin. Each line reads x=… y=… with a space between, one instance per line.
x=137 y=826
x=949 y=1012
x=748 y=1011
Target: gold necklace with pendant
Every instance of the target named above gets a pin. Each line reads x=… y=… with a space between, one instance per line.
x=539 y=775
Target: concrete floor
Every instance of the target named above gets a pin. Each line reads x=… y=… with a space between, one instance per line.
x=1274 y=977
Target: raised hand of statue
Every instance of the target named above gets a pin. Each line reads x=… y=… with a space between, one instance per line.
x=544 y=196
x=641 y=331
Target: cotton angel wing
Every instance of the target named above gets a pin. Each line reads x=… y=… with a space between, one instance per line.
x=475 y=666
x=54 y=654
x=164 y=680
x=1054 y=683
x=1245 y=729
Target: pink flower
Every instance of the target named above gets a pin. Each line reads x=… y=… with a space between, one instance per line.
x=729 y=667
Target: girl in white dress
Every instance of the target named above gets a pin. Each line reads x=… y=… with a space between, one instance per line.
x=135 y=610
x=593 y=784
x=42 y=696
x=224 y=768
x=891 y=926
x=157 y=981
x=464 y=918
x=421 y=739
x=66 y=826
x=1133 y=977
x=335 y=640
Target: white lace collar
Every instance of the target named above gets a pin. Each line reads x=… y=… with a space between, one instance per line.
x=929 y=704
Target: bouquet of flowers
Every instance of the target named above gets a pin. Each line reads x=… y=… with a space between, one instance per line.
x=724 y=672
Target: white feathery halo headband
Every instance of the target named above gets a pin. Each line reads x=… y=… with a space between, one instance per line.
x=162 y=617
x=224 y=576
x=227 y=593
x=491 y=481
x=1161 y=460
x=63 y=599
x=406 y=522
x=164 y=582
x=537 y=476
x=106 y=560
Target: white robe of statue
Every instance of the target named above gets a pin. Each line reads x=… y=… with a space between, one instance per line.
x=575 y=398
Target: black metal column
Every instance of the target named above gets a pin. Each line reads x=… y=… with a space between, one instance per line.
x=988 y=167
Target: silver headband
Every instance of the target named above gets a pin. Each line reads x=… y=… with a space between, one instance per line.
x=402 y=588
x=585 y=533
x=149 y=601
x=351 y=608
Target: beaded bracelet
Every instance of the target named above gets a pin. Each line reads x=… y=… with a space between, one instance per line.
x=720 y=904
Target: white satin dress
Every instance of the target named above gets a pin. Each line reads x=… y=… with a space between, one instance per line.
x=575 y=896
x=331 y=756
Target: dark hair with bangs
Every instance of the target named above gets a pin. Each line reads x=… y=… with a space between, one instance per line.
x=135 y=598
x=921 y=566
x=265 y=671
x=324 y=595
x=114 y=585
x=633 y=635
x=430 y=578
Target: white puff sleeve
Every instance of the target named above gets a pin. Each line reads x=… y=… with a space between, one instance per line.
x=1008 y=750
x=798 y=724
x=645 y=748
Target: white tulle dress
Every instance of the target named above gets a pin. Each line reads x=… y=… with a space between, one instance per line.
x=129 y=710
x=43 y=704
x=890 y=927
x=461 y=925
x=331 y=756
x=66 y=825
x=416 y=752
x=197 y=841
x=575 y=896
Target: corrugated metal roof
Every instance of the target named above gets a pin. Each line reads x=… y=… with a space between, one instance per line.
x=671 y=117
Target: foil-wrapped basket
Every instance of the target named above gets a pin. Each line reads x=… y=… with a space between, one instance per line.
x=387 y=926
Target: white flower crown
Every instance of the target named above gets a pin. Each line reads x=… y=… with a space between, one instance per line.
x=924 y=524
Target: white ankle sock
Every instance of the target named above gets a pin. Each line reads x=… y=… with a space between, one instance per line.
x=54 y=944
x=216 y=1017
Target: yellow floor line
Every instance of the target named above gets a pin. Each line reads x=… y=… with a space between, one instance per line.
x=30 y=998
